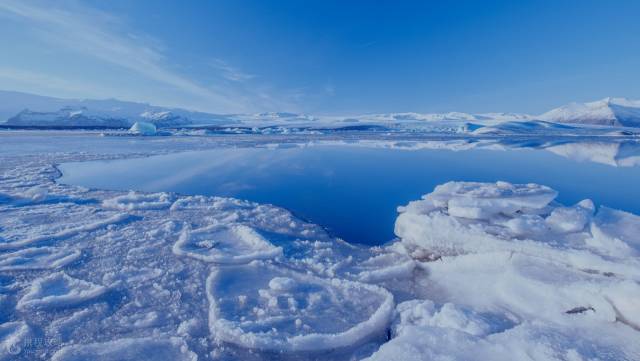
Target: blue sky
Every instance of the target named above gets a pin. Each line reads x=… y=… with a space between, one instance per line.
x=324 y=57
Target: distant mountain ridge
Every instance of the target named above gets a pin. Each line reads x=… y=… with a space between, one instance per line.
x=619 y=112
x=35 y=110
x=24 y=109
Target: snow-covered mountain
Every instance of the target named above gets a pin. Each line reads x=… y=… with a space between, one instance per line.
x=34 y=110
x=608 y=111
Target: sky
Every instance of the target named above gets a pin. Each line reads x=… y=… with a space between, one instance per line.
x=324 y=57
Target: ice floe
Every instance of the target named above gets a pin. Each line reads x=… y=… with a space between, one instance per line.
x=225 y=244
x=59 y=290
x=264 y=306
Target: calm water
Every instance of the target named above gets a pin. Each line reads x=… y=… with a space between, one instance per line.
x=354 y=191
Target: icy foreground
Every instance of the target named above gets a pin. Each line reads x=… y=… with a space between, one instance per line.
x=513 y=275
x=479 y=272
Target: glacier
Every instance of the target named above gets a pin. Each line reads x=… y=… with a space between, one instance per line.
x=477 y=271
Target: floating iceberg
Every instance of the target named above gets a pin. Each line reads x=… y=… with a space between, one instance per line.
x=143 y=128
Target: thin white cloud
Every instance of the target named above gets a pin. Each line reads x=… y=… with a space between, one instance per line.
x=229 y=72
x=94 y=33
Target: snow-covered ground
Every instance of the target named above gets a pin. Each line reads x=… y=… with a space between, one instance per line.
x=480 y=271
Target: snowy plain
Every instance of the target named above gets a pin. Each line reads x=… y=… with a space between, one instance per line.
x=479 y=271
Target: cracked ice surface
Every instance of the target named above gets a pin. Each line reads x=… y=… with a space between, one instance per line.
x=480 y=271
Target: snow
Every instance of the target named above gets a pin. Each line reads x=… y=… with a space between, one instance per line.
x=12 y=336
x=129 y=349
x=143 y=128
x=266 y=307
x=20 y=109
x=59 y=290
x=607 y=111
x=37 y=258
x=226 y=244
x=133 y=201
x=479 y=271
x=550 y=272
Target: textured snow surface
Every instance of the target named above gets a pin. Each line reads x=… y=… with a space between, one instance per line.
x=480 y=271
x=269 y=307
x=515 y=275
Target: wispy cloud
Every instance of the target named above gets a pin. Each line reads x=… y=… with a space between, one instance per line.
x=105 y=37
x=229 y=72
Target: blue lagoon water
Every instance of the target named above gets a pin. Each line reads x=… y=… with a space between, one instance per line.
x=354 y=191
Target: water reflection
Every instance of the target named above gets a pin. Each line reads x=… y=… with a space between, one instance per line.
x=353 y=189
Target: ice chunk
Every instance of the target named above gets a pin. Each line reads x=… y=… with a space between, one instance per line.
x=143 y=128
x=135 y=201
x=554 y=278
x=59 y=290
x=571 y=219
x=37 y=258
x=485 y=200
x=225 y=244
x=129 y=349
x=385 y=267
x=263 y=306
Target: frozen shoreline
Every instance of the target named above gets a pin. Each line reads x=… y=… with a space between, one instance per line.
x=481 y=271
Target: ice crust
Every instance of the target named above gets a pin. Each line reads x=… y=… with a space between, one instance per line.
x=480 y=271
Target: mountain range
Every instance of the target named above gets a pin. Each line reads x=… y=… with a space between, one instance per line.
x=22 y=109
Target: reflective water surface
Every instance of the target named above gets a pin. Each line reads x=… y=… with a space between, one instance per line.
x=354 y=190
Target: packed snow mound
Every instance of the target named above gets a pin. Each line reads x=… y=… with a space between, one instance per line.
x=129 y=349
x=59 y=290
x=263 y=306
x=608 y=111
x=517 y=274
x=225 y=244
x=143 y=128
